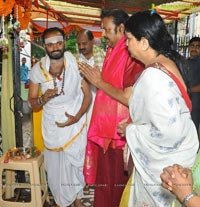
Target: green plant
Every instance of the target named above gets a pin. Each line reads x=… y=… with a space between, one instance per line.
x=71 y=45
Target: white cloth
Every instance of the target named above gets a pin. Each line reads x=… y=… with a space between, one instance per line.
x=65 y=167
x=88 y=61
x=162 y=134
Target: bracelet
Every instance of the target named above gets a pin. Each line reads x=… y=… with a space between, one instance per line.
x=187 y=198
x=40 y=101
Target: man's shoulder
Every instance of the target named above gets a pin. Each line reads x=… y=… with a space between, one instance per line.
x=69 y=56
x=78 y=55
x=194 y=60
x=193 y=64
x=197 y=58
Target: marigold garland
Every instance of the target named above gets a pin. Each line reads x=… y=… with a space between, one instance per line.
x=24 y=10
x=26 y=4
x=6 y=7
x=25 y=19
x=23 y=16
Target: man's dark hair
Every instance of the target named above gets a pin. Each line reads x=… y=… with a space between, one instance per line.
x=88 y=33
x=52 y=29
x=194 y=39
x=119 y=16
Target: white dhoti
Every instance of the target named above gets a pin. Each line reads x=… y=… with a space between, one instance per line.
x=65 y=173
x=65 y=146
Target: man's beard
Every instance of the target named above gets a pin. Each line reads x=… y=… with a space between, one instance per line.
x=56 y=55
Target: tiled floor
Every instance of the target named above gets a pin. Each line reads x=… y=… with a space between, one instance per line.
x=88 y=196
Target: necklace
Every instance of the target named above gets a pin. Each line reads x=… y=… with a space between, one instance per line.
x=57 y=76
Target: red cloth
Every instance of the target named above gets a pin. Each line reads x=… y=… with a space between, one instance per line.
x=120 y=70
x=111 y=180
x=182 y=90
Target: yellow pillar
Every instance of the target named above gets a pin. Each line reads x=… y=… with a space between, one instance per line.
x=37 y=130
x=7 y=116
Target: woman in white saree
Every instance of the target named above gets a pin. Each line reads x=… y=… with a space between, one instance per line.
x=161 y=131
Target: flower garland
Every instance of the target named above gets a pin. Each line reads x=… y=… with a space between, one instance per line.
x=22 y=40
x=3 y=39
x=26 y=4
x=6 y=7
x=14 y=27
x=23 y=16
x=17 y=28
x=24 y=10
x=22 y=13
